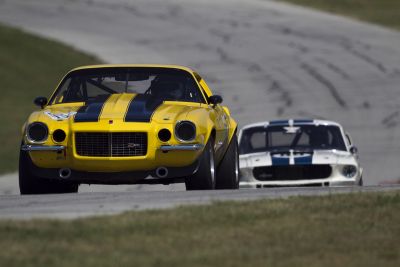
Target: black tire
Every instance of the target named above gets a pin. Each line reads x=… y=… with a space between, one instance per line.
x=228 y=169
x=30 y=184
x=204 y=178
x=360 y=183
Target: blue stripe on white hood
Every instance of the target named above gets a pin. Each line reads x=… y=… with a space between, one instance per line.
x=285 y=160
x=292 y=159
x=299 y=160
x=266 y=159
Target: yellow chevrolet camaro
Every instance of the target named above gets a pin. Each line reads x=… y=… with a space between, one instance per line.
x=129 y=124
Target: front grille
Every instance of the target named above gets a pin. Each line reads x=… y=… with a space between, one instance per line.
x=126 y=144
x=292 y=172
x=92 y=144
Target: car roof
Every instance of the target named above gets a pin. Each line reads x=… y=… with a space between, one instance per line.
x=135 y=66
x=291 y=122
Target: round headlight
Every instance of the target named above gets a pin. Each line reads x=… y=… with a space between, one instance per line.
x=37 y=132
x=59 y=136
x=185 y=131
x=164 y=135
x=349 y=171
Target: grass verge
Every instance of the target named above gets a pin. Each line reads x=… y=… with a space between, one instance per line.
x=383 y=12
x=358 y=229
x=29 y=67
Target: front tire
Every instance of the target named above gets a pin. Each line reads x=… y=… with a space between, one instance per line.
x=204 y=178
x=30 y=184
x=228 y=169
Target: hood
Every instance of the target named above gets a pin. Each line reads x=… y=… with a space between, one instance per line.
x=291 y=158
x=125 y=107
x=171 y=112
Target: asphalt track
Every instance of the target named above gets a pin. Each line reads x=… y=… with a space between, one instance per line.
x=268 y=60
x=70 y=206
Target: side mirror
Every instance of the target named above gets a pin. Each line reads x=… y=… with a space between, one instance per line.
x=40 y=101
x=215 y=99
x=353 y=150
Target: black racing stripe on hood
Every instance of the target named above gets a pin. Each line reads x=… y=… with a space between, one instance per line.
x=141 y=108
x=91 y=112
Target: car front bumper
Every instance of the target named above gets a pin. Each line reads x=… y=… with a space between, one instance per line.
x=174 y=175
x=248 y=180
x=300 y=183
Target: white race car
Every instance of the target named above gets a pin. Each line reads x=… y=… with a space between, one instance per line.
x=297 y=153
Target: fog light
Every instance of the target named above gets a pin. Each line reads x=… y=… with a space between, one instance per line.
x=59 y=136
x=164 y=135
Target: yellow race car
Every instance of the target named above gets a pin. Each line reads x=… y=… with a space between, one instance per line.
x=129 y=124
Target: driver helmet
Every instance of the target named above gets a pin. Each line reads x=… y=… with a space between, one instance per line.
x=167 y=85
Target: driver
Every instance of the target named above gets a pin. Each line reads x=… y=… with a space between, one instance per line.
x=167 y=86
x=319 y=138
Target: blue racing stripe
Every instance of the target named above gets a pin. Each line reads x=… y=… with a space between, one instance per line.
x=280 y=160
x=303 y=121
x=278 y=122
x=303 y=160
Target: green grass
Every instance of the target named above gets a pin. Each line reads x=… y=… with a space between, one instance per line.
x=359 y=229
x=29 y=67
x=383 y=12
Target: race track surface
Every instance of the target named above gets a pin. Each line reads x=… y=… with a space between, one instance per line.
x=268 y=60
x=70 y=206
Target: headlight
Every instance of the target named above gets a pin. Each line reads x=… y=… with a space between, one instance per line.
x=185 y=131
x=37 y=132
x=349 y=171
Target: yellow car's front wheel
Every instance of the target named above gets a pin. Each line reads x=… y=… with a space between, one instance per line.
x=228 y=169
x=30 y=184
x=204 y=178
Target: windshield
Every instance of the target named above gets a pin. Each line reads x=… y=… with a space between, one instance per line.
x=164 y=84
x=285 y=137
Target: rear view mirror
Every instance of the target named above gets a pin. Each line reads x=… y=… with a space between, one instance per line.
x=40 y=101
x=353 y=150
x=132 y=77
x=215 y=99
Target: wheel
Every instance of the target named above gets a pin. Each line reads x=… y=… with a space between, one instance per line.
x=204 y=178
x=30 y=184
x=360 y=183
x=228 y=169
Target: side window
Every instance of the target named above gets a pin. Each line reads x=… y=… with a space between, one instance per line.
x=193 y=93
x=63 y=92
x=202 y=100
